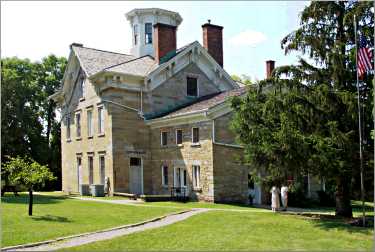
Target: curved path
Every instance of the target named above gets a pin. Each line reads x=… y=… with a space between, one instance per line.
x=82 y=239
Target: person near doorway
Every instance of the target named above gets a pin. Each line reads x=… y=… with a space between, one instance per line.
x=284 y=197
x=275 y=200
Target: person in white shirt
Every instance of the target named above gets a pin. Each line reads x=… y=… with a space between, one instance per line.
x=284 y=197
x=275 y=202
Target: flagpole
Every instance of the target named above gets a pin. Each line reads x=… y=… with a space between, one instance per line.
x=359 y=125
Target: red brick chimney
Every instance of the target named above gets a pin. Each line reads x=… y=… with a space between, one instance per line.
x=164 y=40
x=270 y=65
x=213 y=41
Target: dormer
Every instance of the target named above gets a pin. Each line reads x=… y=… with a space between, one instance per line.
x=142 y=23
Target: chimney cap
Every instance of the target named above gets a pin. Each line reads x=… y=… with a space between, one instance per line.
x=164 y=25
x=76 y=45
x=208 y=24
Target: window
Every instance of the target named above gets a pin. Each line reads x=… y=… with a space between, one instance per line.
x=90 y=128
x=68 y=127
x=196 y=176
x=148 y=33
x=179 y=136
x=100 y=120
x=82 y=88
x=102 y=169
x=195 y=135
x=164 y=175
x=164 y=138
x=91 y=169
x=184 y=177
x=78 y=125
x=135 y=161
x=135 y=34
x=192 y=87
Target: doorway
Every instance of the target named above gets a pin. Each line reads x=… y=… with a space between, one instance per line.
x=136 y=176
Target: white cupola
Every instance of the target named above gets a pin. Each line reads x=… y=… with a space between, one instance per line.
x=142 y=23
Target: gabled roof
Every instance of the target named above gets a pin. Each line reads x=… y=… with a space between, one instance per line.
x=94 y=60
x=204 y=103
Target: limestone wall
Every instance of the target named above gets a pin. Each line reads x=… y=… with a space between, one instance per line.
x=230 y=175
x=184 y=156
x=85 y=145
x=173 y=91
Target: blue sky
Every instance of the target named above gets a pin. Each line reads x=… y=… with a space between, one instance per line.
x=252 y=29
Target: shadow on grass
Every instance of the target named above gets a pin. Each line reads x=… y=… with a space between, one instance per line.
x=23 y=198
x=51 y=218
x=340 y=224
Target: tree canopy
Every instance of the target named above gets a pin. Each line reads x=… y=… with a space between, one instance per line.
x=29 y=124
x=305 y=118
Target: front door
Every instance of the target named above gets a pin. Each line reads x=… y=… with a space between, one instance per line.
x=136 y=176
x=180 y=177
x=180 y=182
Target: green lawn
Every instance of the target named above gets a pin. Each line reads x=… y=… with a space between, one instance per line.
x=55 y=215
x=220 y=230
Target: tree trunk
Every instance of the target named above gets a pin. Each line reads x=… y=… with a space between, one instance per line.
x=30 y=202
x=343 y=206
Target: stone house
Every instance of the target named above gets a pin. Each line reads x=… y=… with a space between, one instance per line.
x=154 y=119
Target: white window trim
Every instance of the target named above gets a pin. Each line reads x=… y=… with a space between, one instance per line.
x=198 y=179
x=101 y=131
x=82 y=88
x=90 y=155
x=90 y=127
x=101 y=155
x=179 y=144
x=78 y=137
x=152 y=34
x=192 y=136
x=196 y=76
x=161 y=138
x=163 y=176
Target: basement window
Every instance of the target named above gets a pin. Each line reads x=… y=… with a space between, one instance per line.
x=191 y=87
x=148 y=33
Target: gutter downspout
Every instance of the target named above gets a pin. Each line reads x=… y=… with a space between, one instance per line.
x=126 y=107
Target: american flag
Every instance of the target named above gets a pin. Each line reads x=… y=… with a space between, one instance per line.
x=364 y=58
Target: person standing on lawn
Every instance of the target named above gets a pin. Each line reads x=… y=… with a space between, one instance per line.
x=275 y=200
x=284 y=197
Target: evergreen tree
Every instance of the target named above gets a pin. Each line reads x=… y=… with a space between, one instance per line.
x=305 y=119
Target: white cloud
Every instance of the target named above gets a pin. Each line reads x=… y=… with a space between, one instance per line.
x=248 y=38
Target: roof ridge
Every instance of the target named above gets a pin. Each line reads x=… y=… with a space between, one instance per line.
x=104 y=50
x=126 y=62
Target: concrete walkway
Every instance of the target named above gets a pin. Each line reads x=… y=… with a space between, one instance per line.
x=142 y=204
x=82 y=239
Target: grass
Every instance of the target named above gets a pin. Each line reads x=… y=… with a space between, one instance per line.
x=55 y=215
x=235 y=231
